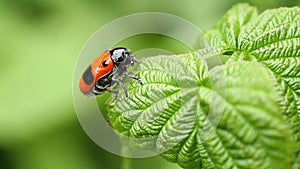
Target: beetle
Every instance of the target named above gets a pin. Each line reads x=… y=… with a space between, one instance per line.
x=106 y=71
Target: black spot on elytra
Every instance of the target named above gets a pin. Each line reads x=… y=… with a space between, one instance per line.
x=87 y=76
x=105 y=63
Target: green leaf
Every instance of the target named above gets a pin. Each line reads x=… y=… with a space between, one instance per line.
x=272 y=38
x=228 y=29
x=181 y=99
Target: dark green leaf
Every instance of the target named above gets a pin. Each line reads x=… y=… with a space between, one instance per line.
x=178 y=97
x=272 y=38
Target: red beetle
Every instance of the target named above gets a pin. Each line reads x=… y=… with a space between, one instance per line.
x=107 y=70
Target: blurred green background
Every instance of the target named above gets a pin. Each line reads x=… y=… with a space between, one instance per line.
x=40 y=42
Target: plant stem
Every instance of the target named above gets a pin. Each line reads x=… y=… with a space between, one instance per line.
x=126 y=162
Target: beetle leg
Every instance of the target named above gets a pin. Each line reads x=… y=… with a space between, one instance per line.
x=99 y=87
x=124 y=89
x=102 y=87
x=116 y=92
x=135 y=78
x=97 y=91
